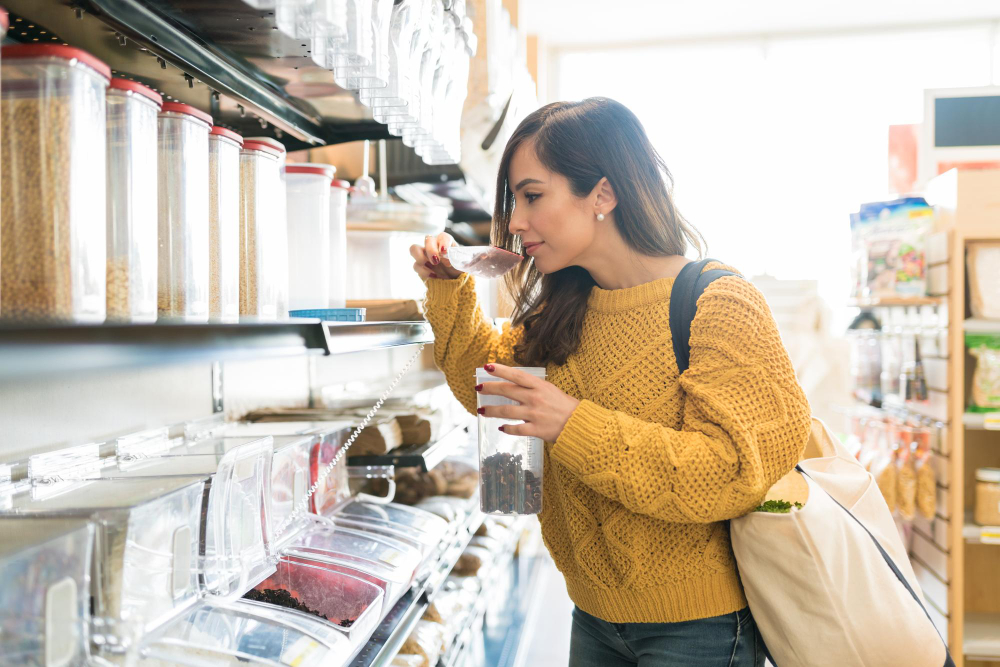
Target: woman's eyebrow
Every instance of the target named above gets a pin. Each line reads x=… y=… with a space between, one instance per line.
x=527 y=181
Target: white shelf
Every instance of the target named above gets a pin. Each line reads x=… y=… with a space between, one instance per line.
x=973 y=325
x=982 y=637
x=982 y=421
x=976 y=534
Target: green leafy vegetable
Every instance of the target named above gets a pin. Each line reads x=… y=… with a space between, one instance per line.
x=777 y=507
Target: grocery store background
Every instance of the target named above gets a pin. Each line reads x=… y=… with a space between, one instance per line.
x=778 y=119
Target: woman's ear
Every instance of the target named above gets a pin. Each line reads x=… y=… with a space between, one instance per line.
x=605 y=199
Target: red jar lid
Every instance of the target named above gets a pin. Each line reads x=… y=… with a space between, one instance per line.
x=255 y=145
x=4 y=20
x=136 y=87
x=341 y=184
x=187 y=109
x=57 y=51
x=273 y=143
x=228 y=134
x=327 y=170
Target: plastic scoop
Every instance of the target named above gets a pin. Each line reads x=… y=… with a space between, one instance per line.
x=482 y=260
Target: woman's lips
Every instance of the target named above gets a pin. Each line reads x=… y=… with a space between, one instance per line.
x=528 y=247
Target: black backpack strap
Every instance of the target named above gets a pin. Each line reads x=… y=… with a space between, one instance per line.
x=688 y=287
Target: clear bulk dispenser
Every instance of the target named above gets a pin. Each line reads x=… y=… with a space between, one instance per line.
x=224 y=224
x=308 y=207
x=262 y=212
x=132 y=201
x=337 y=257
x=52 y=260
x=45 y=599
x=510 y=466
x=183 y=221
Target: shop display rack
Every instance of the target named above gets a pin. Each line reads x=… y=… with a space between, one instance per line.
x=28 y=350
x=426 y=457
x=390 y=635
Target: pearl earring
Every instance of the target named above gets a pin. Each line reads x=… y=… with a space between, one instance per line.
x=600 y=217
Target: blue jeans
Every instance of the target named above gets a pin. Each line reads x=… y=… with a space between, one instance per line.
x=723 y=641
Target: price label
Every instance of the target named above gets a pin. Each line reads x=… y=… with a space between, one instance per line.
x=991 y=421
x=989 y=536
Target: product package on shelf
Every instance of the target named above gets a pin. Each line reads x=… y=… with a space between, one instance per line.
x=351 y=604
x=889 y=242
x=53 y=263
x=388 y=563
x=427 y=640
x=241 y=632
x=448 y=478
x=145 y=562
x=236 y=542
x=132 y=201
x=984 y=280
x=45 y=601
x=986 y=511
x=985 y=348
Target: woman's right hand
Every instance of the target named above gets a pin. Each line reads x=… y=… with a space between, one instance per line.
x=430 y=260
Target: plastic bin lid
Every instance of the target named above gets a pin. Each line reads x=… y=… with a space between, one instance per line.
x=118 y=83
x=268 y=141
x=252 y=145
x=108 y=494
x=327 y=170
x=375 y=554
x=228 y=134
x=411 y=518
x=57 y=51
x=186 y=109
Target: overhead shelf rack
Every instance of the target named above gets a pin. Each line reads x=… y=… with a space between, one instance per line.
x=27 y=351
x=221 y=56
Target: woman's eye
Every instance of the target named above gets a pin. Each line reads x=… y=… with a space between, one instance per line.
x=531 y=197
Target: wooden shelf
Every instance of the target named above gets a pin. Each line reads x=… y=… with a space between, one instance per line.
x=981 y=421
x=896 y=302
x=982 y=637
x=974 y=325
x=976 y=534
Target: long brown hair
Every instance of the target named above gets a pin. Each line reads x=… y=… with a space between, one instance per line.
x=585 y=141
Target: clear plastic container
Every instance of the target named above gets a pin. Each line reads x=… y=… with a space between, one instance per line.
x=375 y=74
x=308 y=208
x=145 y=563
x=280 y=231
x=337 y=259
x=224 y=224
x=393 y=99
x=423 y=542
x=353 y=605
x=45 y=600
x=183 y=220
x=390 y=564
x=510 y=467
x=295 y=17
x=261 y=202
x=53 y=219
x=241 y=633
x=406 y=517
x=132 y=209
x=237 y=532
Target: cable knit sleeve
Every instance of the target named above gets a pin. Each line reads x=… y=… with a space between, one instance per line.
x=745 y=422
x=464 y=339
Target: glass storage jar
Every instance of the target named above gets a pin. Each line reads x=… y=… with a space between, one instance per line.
x=224 y=224
x=183 y=220
x=132 y=210
x=988 y=497
x=308 y=209
x=53 y=190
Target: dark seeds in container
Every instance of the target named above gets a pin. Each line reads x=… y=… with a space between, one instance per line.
x=506 y=487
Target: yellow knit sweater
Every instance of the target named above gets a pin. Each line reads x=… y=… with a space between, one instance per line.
x=638 y=486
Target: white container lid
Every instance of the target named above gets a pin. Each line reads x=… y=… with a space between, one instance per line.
x=483 y=376
x=988 y=475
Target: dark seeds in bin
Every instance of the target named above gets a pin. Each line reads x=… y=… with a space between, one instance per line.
x=506 y=487
x=281 y=598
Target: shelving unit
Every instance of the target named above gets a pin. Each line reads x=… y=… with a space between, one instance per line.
x=965 y=204
x=425 y=457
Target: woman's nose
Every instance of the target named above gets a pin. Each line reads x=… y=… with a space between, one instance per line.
x=517 y=225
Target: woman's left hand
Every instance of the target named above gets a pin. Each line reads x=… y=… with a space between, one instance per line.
x=544 y=408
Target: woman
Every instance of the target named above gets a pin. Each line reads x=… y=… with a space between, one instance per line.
x=643 y=467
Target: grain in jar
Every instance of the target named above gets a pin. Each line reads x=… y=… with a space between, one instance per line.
x=224 y=224
x=132 y=197
x=53 y=192
x=183 y=283
x=279 y=233
x=987 y=511
x=308 y=208
x=260 y=201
